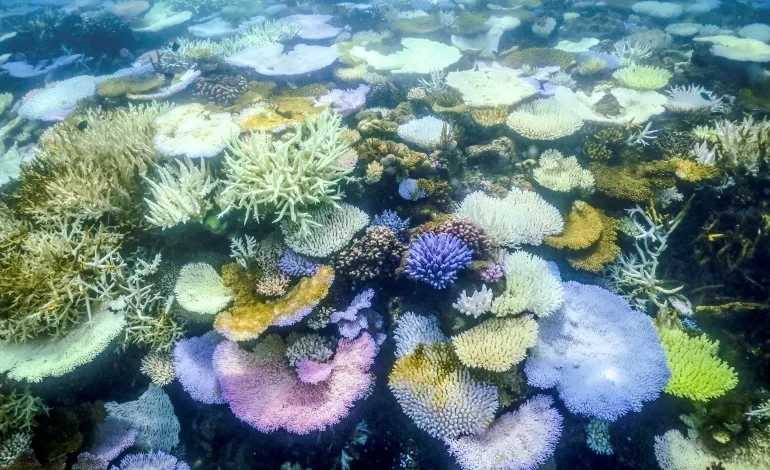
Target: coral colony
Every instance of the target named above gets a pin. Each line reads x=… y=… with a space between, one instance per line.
x=503 y=235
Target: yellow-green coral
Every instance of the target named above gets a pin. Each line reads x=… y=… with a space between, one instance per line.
x=18 y=411
x=643 y=77
x=696 y=371
x=496 y=344
x=621 y=182
x=488 y=117
x=688 y=170
x=124 y=85
x=249 y=317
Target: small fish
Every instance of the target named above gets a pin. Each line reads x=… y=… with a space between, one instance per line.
x=175 y=46
x=82 y=125
x=705 y=96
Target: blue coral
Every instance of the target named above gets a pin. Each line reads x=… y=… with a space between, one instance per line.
x=410 y=190
x=391 y=220
x=296 y=265
x=436 y=259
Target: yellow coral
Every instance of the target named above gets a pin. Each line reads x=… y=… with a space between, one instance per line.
x=694 y=172
x=125 y=85
x=374 y=172
x=621 y=182
x=603 y=252
x=496 y=344
x=696 y=371
x=488 y=117
x=249 y=317
x=582 y=229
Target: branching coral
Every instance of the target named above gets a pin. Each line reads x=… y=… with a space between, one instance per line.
x=287 y=177
x=560 y=173
x=180 y=194
x=374 y=255
x=18 y=411
x=530 y=285
x=91 y=172
x=333 y=226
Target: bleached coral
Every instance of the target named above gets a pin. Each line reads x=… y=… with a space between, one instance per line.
x=287 y=177
x=490 y=87
x=674 y=451
x=520 y=440
x=476 y=304
x=741 y=144
x=159 y=368
x=413 y=330
x=180 y=194
x=560 y=173
x=199 y=289
x=603 y=357
x=496 y=344
x=530 y=285
x=642 y=77
x=35 y=360
x=152 y=415
x=521 y=217
x=544 y=119
x=192 y=131
x=544 y=26
x=428 y=132
x=417 y=56
x=10 y=163
x=58 y=99
x=333 y=227
x=694 y=98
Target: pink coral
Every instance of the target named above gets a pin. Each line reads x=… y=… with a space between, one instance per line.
x=266 y=393
x=312 y=372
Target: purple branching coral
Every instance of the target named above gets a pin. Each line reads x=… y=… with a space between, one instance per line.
x=436 y=259
x=492 y=273
x=360 y=317
x=296 y=265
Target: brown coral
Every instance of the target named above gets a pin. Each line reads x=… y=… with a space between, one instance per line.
x=601 y=253
x=220 y=89
x=376 y=254
x=466 y=231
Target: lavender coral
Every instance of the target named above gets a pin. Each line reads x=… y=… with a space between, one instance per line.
x=296 y=265
x=194 y=367
x=602 y=356
x=436 y=259
x=153 y=460
x=392 y=221
x=266 y=393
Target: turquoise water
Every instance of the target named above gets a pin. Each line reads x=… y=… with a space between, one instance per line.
x=395 y=235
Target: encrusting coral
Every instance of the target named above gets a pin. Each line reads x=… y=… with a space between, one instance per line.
x=250 y=316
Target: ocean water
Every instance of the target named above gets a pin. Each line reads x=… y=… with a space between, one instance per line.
x=402 y=234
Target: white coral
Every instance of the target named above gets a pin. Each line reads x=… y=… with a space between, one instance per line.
x=476 y=304
x=428 y=132
x=560 y=173
x=199 y=289
x=530 y=285
x=180 y=194
x=544 y=119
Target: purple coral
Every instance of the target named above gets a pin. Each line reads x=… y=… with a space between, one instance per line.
x=359 y=317
x=436 y=259
x=112 y=437
x=296 y=265
x=493 y=273
x=194 y=369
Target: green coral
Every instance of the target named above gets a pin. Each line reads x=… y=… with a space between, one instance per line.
x=18 y=411
x=696 y=371
x=417 y=25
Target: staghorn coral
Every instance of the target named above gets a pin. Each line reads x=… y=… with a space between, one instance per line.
x=18 y=411
x=220 y=89
x=476 y=304
x=299 y=174
x=179 y=194
x=333 y=226
x=696 y=372
x=249 y=317
x=375 y=255
x=92 y=172
x=496 y=344
x=272 y=285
